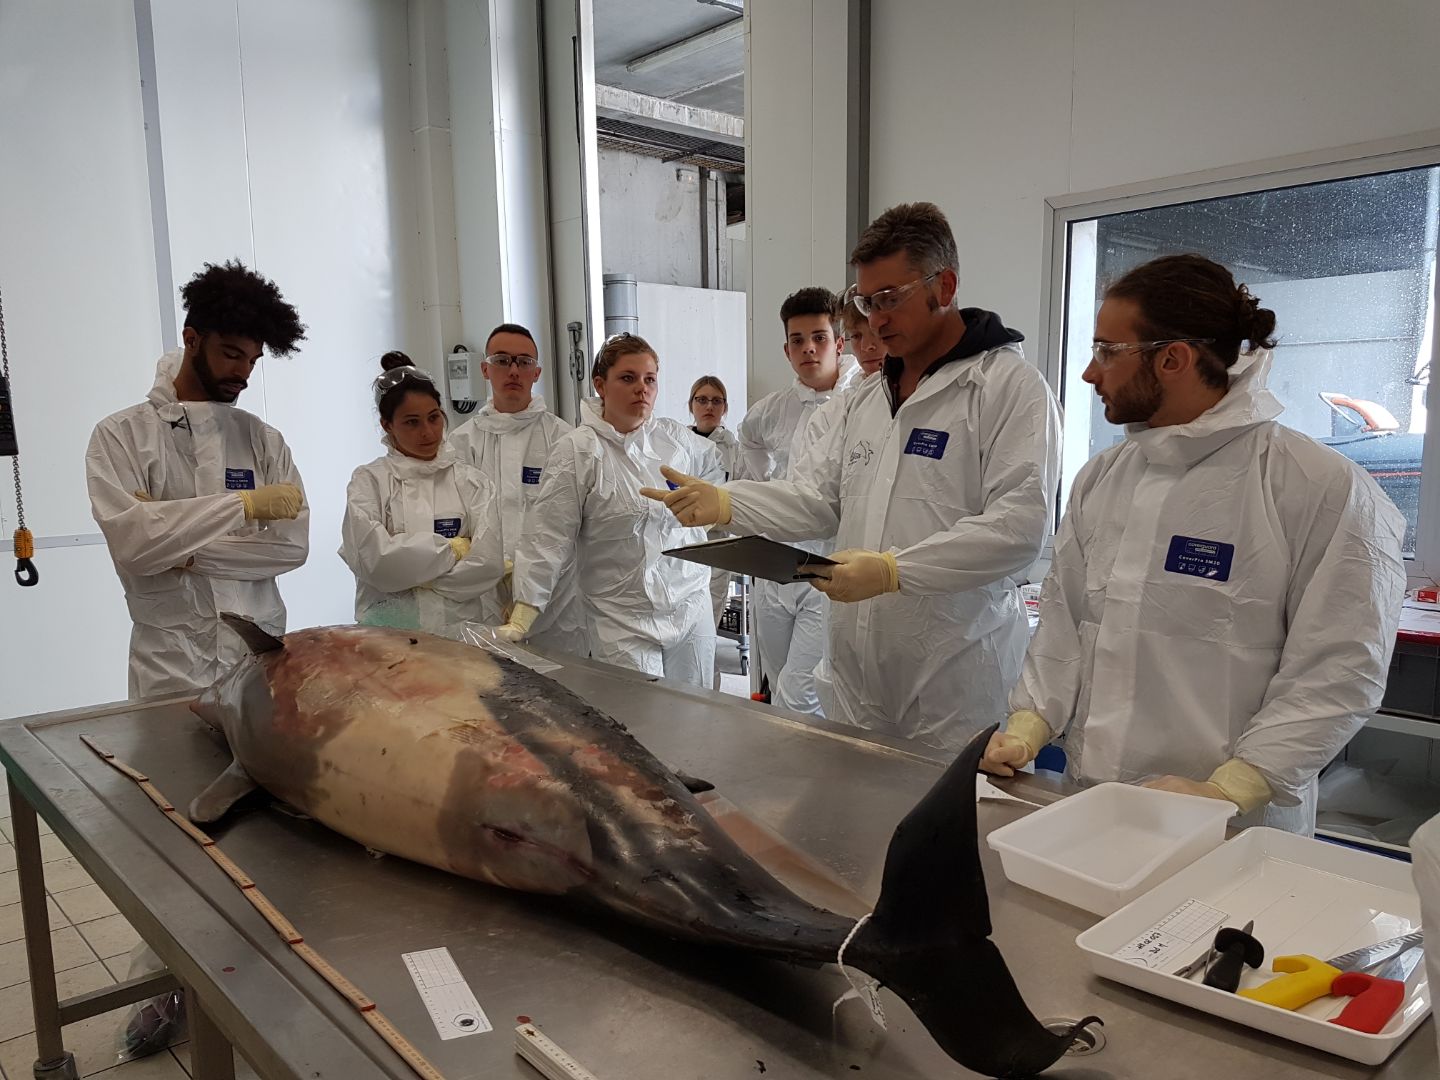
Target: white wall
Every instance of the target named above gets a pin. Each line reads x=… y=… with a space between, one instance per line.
x=795 y=145
x=296 y=161
x=987 y=109
x=649 y=218
x=695 y=332
x=498 y=147
x=78 y=275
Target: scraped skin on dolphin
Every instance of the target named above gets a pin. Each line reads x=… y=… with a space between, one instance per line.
x=441 y=753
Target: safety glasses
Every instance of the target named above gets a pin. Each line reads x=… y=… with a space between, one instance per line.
x=1104 y=353
x=388 y=380
x=507 y=360
x=886 y=299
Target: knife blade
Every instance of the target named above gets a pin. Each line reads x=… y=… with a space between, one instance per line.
x=1359 y=959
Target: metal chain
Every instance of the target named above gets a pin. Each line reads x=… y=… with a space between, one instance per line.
x=5 y=371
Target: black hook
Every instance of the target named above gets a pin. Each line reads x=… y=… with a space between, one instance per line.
x=26 y=574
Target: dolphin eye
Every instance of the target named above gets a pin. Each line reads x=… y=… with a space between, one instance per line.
x=505 y=834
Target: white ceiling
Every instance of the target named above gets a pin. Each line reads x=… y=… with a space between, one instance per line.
x=711 y=79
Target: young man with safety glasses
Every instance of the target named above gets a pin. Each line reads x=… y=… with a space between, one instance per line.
x=939 y=477
x=510 y=438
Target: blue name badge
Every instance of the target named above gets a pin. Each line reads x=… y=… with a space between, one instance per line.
x=927 y=443
x=239 y=479
x=529 y=475
x=1200 y=558
x=447 y=527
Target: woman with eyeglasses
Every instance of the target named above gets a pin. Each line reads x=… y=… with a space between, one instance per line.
x=648 y=612
x=708 y=405
x=421 y=530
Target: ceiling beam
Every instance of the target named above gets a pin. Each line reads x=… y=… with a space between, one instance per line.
x=619 y=104
x=688 y=46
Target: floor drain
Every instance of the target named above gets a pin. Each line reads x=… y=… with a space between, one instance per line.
x=1087 y=1042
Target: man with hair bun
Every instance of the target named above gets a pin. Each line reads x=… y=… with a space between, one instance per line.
x=1220 y=613
x=200 y=502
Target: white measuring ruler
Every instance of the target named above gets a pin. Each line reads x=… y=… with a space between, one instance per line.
x=446 y=995
x=549 y=1060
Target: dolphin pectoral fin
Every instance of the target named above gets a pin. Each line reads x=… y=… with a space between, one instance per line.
x=694 y=784
x=224 y=791
x=928 y=938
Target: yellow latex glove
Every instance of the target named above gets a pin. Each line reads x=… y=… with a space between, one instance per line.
x=1236 y=780
x=1026 y=734
x=272 y=502
x=1185 y=786
x=858 y=574
x=460 y=545
x=522 y=618
x=143 y=496
x=694 y=502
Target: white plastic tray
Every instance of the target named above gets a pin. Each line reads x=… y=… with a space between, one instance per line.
x=1105 y=846
x=1305 y=896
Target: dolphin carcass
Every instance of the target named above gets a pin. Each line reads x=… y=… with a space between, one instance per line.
x=439 y=752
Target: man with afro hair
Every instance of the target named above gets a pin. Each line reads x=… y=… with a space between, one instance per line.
x=200 y=503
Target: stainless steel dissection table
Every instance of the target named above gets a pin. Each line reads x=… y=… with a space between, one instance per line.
x=625 y=1003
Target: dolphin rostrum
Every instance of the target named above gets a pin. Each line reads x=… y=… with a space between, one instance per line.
x=441 y=753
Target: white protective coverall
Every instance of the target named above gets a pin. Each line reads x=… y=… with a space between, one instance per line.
x=647 y=612
x=1227 y=588
x=729 y=446
x=400 y=515
x=789 y=618
x=1425 y=852
x=189 y=458
x=958 y=482
x=513 y=449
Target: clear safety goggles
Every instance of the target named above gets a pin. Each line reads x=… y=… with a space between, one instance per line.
x=1105 y=352
x=388 y=380
x=706 y=402
x=886 y=299
x=519 y=361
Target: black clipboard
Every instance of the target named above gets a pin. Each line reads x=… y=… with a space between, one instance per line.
x=753 y=555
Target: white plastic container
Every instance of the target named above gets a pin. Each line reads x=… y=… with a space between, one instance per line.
x=1103 y=847
x=1305 y=896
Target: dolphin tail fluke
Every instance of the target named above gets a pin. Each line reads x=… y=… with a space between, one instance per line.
x=224 y=791
x=258 y=640
x=928 y=939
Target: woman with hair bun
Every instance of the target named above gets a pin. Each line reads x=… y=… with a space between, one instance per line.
x=647 y=611
x=421 y=529
x=1222 y=605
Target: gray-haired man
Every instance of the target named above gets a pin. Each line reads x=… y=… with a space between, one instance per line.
x=939 y=477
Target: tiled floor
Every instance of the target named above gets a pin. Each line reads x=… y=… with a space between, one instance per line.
x=727 y=665
x=92 y=942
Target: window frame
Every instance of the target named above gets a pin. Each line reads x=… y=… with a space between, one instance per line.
x=1420 y=150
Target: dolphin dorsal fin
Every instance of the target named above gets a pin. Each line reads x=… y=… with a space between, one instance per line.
x=258 y=640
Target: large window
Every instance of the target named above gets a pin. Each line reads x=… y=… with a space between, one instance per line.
x=1347 y=265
